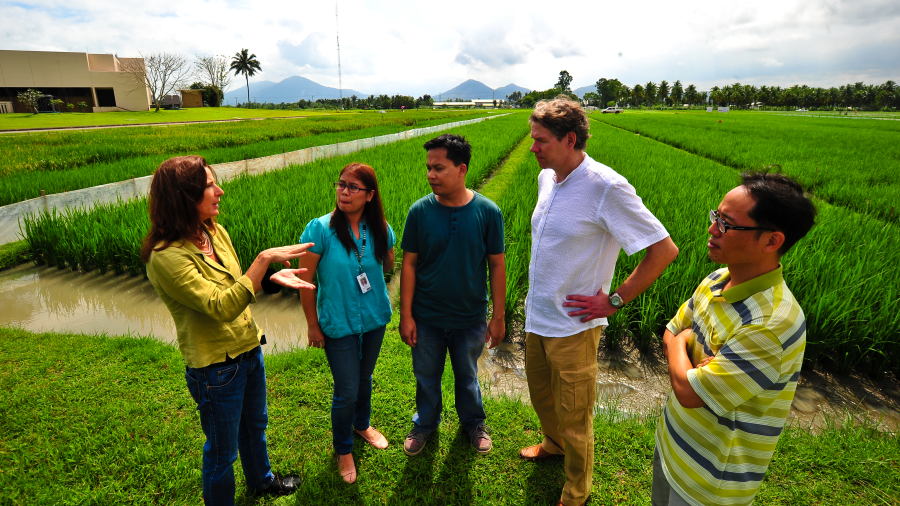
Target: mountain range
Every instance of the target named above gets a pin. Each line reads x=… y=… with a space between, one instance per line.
x=296 y=88
x=290 y=89
x=473 y=89
x=584 y=89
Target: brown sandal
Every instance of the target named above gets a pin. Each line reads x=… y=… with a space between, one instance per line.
x=379 y=441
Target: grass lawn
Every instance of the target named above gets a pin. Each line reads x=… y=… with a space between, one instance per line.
x=20 y=121
x=108 y=420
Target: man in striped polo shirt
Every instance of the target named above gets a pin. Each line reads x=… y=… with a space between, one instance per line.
x=734 y=351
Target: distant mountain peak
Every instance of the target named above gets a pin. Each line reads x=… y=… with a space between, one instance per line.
x=471 y=89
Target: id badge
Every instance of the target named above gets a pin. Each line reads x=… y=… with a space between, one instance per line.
x=363 y=281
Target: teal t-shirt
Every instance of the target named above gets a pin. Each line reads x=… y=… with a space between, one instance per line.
x=453 y=244
x=343 y=309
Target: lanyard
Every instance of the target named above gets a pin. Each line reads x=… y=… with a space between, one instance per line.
x=359 y=254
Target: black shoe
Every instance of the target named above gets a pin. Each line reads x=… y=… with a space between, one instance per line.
x=281 y=485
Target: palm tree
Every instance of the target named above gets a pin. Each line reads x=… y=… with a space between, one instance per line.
x=637 y=93
x=690 y=94
x=650 y=92
x=241 y=63
x=663 y=91
x=677 y=93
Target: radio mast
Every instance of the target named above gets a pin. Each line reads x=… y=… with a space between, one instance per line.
x=337 y=31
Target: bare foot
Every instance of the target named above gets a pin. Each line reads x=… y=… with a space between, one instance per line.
x=347 y=468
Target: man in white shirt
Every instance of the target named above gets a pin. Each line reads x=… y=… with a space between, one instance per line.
x=585 y=214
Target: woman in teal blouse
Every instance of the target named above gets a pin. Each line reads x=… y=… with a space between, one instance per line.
x=354 y=246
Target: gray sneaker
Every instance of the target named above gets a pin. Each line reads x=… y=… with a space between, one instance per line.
x=480 y=438
x=415 y=442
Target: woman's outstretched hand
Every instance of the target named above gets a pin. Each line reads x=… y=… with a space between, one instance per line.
x=291 y=279
x=284 y=254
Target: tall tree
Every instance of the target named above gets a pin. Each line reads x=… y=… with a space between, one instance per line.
x=637 y=94
x=663 y=91
x=677 y=93
x=160 y=72
x=213 y=71
x=565 y=80
x=242 y=63
x=650 y=92
x=690 y=94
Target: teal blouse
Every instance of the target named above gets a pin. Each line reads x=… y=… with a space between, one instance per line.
x=343 y=309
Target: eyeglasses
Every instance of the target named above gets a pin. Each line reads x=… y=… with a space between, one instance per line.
x=724 y=227
x=341 y=186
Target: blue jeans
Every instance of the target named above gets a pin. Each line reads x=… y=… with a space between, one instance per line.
x=351 y=403
x=428 y=356
x=231 y=400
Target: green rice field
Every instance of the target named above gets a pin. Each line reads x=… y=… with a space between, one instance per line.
x=843 y=273
x=69 y=160
x=852 y=164
x=270 y=209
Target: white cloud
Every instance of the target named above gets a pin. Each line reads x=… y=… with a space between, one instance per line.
x=769 y=62
x=388 y=48
x=310 y=52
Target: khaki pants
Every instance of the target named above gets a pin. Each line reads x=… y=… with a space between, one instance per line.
x=562 y=381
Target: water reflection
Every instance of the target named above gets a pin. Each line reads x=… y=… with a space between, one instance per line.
x=41 y=299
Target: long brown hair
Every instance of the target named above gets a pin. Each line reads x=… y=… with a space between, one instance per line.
x=176 y=189
x=373 y=213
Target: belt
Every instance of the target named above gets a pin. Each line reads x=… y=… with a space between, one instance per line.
x=240 y=358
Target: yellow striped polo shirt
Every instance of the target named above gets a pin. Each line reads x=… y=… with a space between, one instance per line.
x=718 y=454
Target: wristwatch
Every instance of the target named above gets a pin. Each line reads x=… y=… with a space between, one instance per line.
x=616 y=300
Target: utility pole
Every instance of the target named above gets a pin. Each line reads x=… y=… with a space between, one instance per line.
x=337 y=32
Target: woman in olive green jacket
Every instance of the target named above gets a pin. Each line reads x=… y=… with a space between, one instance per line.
x=195 y=270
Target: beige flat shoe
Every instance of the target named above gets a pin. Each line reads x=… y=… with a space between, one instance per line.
x=377 y=440
x=348 y=473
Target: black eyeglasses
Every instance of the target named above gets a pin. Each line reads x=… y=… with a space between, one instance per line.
x=724 y=227
x=341 y=186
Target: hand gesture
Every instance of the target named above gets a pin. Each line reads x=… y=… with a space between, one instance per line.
x=593 y=306
x=284 y=254
x=291 y=278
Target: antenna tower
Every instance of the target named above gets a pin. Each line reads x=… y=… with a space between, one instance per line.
x=337 y=31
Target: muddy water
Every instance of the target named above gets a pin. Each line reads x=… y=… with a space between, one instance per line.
x=42 y=299
x=46 y=299
x=630 y=383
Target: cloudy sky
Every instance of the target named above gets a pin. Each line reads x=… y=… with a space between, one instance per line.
x=414 y=48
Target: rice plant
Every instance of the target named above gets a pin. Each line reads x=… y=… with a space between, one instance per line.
x=64 y=161
x=853 y=164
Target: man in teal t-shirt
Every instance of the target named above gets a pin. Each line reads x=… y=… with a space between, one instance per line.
x=452 y=239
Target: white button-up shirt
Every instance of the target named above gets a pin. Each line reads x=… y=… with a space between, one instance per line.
x=577 y=230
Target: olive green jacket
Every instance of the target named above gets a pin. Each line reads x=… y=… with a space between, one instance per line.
x=210 y=303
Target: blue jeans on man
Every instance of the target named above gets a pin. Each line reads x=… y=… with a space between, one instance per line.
x=231 y=399
x=428 y=356
x=352 y=368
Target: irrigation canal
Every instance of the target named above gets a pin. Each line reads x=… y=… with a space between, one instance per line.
x=41 y=299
